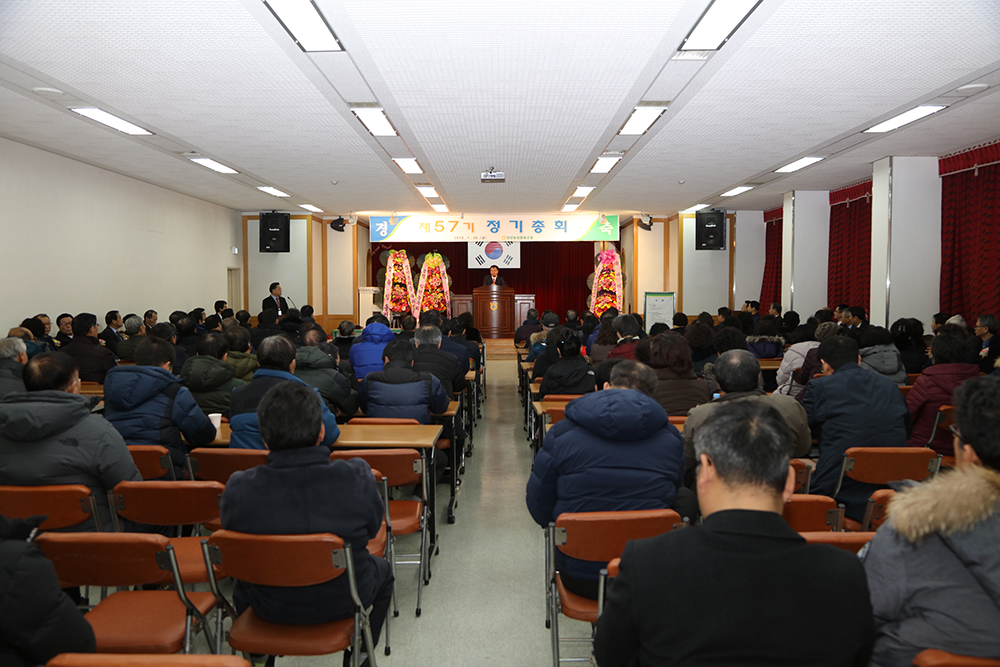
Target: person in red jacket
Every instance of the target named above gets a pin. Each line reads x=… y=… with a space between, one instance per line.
x=934 y=388
x=628 y=330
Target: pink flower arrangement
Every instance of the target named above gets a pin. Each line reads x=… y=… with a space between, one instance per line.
x=399 y=296
x=432 y=293
x=607 y=283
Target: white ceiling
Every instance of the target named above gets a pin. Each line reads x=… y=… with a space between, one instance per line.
x=535 y=89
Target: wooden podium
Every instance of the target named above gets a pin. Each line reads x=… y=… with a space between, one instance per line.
x=493 y=311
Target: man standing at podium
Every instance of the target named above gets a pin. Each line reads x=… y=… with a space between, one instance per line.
x=494 y=278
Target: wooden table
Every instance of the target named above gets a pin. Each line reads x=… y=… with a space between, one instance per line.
x=372 y=436
x=92 y=389
x=769 y=364
x=222 y=436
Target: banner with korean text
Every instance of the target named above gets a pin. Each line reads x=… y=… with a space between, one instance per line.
x=441 y=228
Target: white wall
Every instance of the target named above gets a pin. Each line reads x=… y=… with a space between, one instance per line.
x=906 y=218
x=805 y=250
x=749 y=261
x=340 y=271
x=650 y=260
x=706 y=272
x=79 y=238
x=288 y=268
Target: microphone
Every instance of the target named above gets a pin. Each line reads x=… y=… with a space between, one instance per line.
x=292 y=302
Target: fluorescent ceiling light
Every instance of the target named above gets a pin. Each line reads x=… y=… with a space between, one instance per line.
x=604 y=165
x=272 y=191
x=569 y=208
x=798 y=164
x=717 y=24
x=117 y=123
x=305 y=24
x=427 y=190
x=375 y=120
x=310 y=207
x=905 y=118
x=408 y=165
x=213 y=165
x=583 y=191
x=440 y=208
x=640 y=120
x=738 y=191
x=695 y=208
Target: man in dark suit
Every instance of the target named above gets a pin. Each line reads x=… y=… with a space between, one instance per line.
x=267 y=325
x=687 y=596
x=93 y=358
x=494 y=277
x=275 y=301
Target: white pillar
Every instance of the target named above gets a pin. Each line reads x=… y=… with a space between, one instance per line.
x=805 y=250
x=906 y=239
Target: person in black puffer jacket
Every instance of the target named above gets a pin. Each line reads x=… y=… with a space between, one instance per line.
x=38 y=621
x=316 y=365
x=571 y=374
x=398 y=391
x=430 y=358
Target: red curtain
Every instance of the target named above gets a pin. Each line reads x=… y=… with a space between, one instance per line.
x=770 y=286
x=970 y=233
x=555 y=272
x=850 y=270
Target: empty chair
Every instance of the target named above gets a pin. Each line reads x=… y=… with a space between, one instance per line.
x=184 y=503
x=881 y=465
x=259 y=559
x=401 y=467
x=140 y=660
x=803 y=475
x=218 y=465
x=593 y=536
x=66 y=505
x=852 y=542
x=153 y=461
x=157 y=621
x=805 y=513
x=935 y=658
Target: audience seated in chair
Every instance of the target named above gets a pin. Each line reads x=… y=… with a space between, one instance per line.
x=276 y=356
x=208 y=376
x=678 y=389
x=149 y=405
x=49 y=436
x=92 y=358
x=571 y=374
x=267 y=325
x=13 y=357
x=879 y=354
x=316 y=363
x=528 y=327
x=366 y=355
x=731 y=591
x=243 y=361
x=429 y=357
x=303 y=491
x=38 y=620
x=628 y=329
x=398 y=391
x=855 y=408
x=614 y=450
x=934 y=388
x=408 y=324
x=168 y=332
x=934 y=567
x=110 y=335
x=135 y=332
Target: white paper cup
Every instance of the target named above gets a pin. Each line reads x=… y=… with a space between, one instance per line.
x=216 y=419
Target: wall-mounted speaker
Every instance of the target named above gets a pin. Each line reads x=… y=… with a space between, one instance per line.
x=274 y=231
x=710 y=230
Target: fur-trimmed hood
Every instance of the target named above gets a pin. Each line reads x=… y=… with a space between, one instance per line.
x=953 y=502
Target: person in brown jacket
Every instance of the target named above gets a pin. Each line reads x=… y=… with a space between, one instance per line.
x=678 y=389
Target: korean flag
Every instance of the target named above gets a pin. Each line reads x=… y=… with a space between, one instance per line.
x=484 y=254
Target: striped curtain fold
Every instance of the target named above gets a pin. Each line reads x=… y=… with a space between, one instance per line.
x=849 y=274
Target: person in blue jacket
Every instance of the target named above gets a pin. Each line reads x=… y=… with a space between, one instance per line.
x=366 y=356
x=149 y=405
x=616 y=450
x=397 y=391
x=276 y=356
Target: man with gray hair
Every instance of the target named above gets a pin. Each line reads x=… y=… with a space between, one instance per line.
x=687 y=596
x=432 y=359
x=737 y=372
x=13 y=357
x=135 y=332
x=616 y=450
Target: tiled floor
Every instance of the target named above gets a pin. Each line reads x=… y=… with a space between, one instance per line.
x=485 y=604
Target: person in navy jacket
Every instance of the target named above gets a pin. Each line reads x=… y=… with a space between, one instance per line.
x=366 y=355
x=398 y=391
x=615 y=450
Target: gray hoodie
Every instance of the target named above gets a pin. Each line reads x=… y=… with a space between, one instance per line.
x=51 y=437
x=884 y=360
x=934 y=569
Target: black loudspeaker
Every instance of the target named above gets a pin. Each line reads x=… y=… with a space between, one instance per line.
x=274 y=231
x=710 y=230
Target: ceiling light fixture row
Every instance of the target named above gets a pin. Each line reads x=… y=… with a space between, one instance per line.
x=304 y=22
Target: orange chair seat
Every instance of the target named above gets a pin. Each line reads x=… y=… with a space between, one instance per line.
x=442 y=443
x=213 y=525
x=155 y=626
x=180 y=660
x=190 y=560
x=851 y=525
x=405 y=516
x=575 y=606
x=376 y=545
x=252 y=634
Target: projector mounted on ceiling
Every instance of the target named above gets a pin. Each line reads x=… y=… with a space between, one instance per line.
x=492 y=176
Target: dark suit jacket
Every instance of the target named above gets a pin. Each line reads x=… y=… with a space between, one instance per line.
x=268 y=304
x=111 y=339
x=731 y=592
x=93 y=359
x=488 y=280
